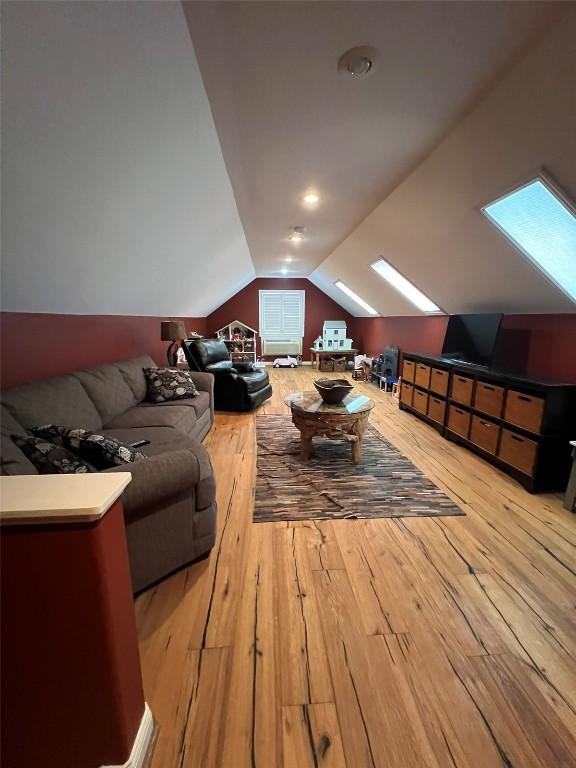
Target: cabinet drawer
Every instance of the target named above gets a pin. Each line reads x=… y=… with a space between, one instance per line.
x=489 y=399
x=420 y=401
x=458 y=420
x=436 y=408
x=524 y=410
x=518 y=451
x=462 y=389
x=408 y=367
x=406 y=392
x=422 y=376
x=484 y=434
x=439 y=381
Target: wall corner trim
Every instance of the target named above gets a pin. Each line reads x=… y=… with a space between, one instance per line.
x=142 y=747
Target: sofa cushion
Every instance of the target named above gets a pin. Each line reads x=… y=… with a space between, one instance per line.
x=51 y=459
x=160 y=439
x=60 y=400
x=181 y=417
x=102 y=451
x=133 y=372
x=200 y=403
x=167 y=384
x=108 y=390
x=12 y=460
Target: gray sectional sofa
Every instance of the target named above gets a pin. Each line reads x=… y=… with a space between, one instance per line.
x=170 y=506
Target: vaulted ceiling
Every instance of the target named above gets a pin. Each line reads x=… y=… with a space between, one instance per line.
x=289 y=121
x=115 y=196
x=155 y=153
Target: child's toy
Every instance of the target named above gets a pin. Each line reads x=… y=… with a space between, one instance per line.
x=285 y=362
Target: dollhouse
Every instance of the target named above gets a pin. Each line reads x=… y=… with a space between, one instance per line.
x=333 y=336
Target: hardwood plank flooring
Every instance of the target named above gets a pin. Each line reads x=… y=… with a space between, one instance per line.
x=392 y=643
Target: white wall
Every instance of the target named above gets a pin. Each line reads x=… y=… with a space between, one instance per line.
x=430 y=226
x=115 y=197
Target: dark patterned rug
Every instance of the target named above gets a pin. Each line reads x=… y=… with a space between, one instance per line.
x=329 y=486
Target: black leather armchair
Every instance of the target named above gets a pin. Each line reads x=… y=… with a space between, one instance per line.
x=238 y=386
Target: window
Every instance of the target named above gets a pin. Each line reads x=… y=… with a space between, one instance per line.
x=282 y=314
x=354 y=296
x=404 y=286
x=542 y=225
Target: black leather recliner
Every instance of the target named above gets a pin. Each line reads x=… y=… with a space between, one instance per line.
x=238 y=386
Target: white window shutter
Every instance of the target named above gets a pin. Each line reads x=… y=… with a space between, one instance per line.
x=270 y=313
x=293 y=313
x=282 y=314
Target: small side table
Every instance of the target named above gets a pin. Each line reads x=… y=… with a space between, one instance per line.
x=570 y=496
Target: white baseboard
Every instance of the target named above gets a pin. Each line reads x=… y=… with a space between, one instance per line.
x=142 y=742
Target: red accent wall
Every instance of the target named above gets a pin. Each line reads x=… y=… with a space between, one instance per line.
x=539 y=345
x=409 y=334
x=36 y=346
x=244 y=306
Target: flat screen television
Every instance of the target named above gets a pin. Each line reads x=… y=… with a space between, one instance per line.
x=472 y=338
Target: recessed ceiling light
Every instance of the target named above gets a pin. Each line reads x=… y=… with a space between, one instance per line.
x=288 y=258
x=354 y=296
x=311 y=198
x=405 y=287
x=358 y=61
x=284 y=271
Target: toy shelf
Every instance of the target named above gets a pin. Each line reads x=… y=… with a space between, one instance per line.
x=240 y=340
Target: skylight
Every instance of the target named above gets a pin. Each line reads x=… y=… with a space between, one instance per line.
x=543 y=226
x=354 y=296
x=405 y=287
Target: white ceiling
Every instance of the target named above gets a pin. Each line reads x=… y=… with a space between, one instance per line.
x=287 y=120
x=115 y=196
x=430 y=226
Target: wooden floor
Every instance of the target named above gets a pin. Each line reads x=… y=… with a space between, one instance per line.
x=435 y=642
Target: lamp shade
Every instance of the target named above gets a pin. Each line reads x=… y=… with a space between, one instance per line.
x=173 y=330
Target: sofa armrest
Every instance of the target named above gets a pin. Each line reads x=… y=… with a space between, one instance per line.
x=157 y=479
x=205 y=383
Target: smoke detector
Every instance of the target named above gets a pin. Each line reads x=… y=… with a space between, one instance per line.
x=297 y=235
x=358 y=62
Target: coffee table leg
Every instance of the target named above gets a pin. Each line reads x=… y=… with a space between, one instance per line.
x=305 y=447
x=358 y=431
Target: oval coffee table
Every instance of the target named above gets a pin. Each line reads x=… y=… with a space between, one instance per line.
x=345 y=421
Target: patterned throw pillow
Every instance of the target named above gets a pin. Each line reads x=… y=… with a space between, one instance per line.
x=169 y=384
x=100 y=450
x=49 y=458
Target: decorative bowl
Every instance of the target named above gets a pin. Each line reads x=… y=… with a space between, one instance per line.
x=333 y=391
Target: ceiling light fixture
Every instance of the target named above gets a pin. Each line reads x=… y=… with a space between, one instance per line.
x=405 y=287
x=354 y=296
x=297 y=235
x=311 y=198
x=284 y=271
x=358 y=62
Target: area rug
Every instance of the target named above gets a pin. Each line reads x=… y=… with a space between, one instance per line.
x=329 y=486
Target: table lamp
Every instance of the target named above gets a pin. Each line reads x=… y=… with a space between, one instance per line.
x=174 y=331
